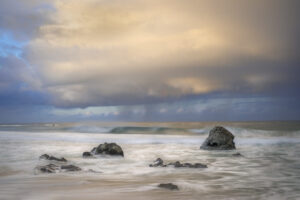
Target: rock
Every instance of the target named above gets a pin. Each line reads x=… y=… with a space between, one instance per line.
x=106 y=149
x=50 y=168
x=93 y=171
x=177 y=164
x=47 y=157
x=160 y=163
x=44 y=156
x=199 y=165
x=109 y=149
x=70 y=168
x=87 y=154
x=94 y=150
x=219 y=139
x=169 y=186
x=53 y=168
x=237 y=154
x=157 y=162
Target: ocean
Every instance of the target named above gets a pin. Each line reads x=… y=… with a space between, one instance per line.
x=269 y=167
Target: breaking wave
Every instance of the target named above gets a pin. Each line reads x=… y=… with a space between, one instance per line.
x=135 y=129
x=129 y=130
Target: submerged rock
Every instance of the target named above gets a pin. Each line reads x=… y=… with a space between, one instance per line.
x=219 y=139
x=57 y=167
x=237 y=154
x=87 y=154
x=70 y=168
x=160 y=163
x=109 y=149
x=94 y=171
x=47 y=157
x=50 y=168
x=177 y=164
x=169 y=186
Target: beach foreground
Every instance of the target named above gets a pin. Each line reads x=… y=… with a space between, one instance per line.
x=267 y=169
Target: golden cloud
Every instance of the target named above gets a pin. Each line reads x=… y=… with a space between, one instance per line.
x=94 y=52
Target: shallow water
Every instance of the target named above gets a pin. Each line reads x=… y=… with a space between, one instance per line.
x=268 y=169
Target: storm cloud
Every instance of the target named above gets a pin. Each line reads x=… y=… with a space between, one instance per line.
x=91 y=53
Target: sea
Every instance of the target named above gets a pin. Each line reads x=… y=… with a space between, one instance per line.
x=268 y=168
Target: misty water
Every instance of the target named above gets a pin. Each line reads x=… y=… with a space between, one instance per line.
x=268 y=169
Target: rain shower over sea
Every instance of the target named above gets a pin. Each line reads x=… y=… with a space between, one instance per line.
x=268 y=168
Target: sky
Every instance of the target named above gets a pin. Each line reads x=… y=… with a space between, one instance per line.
x=145 y=60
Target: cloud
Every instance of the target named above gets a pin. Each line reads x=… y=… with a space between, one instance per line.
x=118 y=53
x=22 y=18
x=210 y=109
x=19 y=22
x=114 y=52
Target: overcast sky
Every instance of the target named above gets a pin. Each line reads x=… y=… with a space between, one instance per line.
x=145 y=60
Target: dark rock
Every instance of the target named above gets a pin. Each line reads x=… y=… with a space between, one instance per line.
x=51 y=168
x=106 y=149
x=198 y=165
x=219 y=139
x=189 y=165
x=47 y=157
x=160 y=163
x=93 y=171
x=70 y=168
x=109 y=149
x=177 y=164
x=157 y=162
x=87 y=154
x=94 y=150
x=237 y=154
x=169 y=186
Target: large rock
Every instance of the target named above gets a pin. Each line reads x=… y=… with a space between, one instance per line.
x=109 y=149
x=219 y=139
